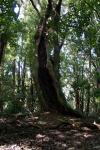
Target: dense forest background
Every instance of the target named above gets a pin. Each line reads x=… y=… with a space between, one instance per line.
x=50 y=56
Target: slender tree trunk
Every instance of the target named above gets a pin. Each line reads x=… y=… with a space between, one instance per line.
x=89 y=87
x=97 y=71
x=23 y=81
x=31 y=100
x=76 y=87
x=58 y=43
x=1 y=101
x=18 y=79
x=88 y=101
x=98 y=65
x=32 y=89
x=3 y=43
x=14 y=75
x=82 y=100
x=98 y=77
x=18 y=102
x=77 y=97
x=82 y=92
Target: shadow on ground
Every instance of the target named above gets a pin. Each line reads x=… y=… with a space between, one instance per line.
x=47 y=132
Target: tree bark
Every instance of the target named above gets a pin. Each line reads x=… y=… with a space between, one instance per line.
x=18 y=79
x=23 y=88
x=77 y=97
x=14 y=77
x=3 y=43
x=53 y=96
x=58 y=43
x=88 y=101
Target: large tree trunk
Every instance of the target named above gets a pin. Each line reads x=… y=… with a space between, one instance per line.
x=51 y=90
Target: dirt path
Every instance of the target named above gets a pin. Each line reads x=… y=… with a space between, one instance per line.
x=48 y=132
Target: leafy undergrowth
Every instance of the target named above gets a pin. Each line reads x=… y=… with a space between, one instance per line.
x=48 y=131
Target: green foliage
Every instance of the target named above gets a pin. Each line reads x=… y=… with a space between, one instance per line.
x=13 y=108
x=97 y=93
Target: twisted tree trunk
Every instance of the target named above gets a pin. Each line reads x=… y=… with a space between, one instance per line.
x=52 y=93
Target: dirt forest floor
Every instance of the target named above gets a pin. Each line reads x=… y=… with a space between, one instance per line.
x=48 y=131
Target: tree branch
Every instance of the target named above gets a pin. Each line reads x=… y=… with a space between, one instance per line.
x=49 y=2
x=39 y=3
x=92 y=8
x=49 y=8
x=35 y=8
x=41 y=31
x=58 y=7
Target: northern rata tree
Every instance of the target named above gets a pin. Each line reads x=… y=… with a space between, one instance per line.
x=48 y=72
